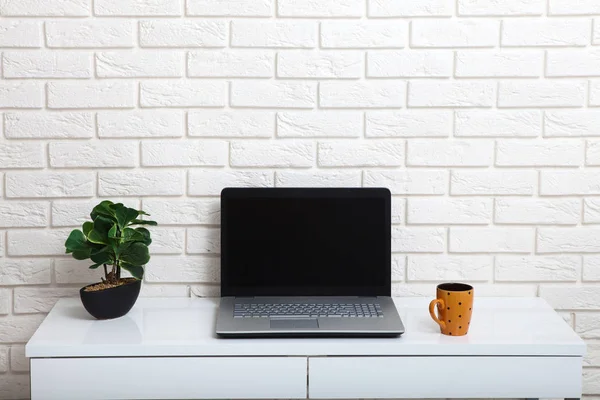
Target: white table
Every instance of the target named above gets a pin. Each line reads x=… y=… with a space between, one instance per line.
x=166 y=348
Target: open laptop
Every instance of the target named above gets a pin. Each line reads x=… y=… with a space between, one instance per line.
x=306 y=262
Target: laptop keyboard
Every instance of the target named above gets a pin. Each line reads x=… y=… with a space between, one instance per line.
x=307 y=310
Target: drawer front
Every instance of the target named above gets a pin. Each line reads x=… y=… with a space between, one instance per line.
x=169 y=377
x=444 y=377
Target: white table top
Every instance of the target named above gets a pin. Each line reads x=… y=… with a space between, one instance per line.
x=185 y=327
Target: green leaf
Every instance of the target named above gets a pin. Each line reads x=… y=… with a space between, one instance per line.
x=131 y=235
x=96 y=237
x=87 y=227
x=125 y=215
x=102 y=257
x=95 y=265
x=146 y=236
x=112 y=233
x=81 y=254
x=76 y=241
x=143 y=212
x=99 y=249
x=104 y=209
x=135 y=270
x=99 y=234
x=135 y=254
x=96 y=248
x=143 y=222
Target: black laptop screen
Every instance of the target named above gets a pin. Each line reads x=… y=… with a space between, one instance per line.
x=305 y=242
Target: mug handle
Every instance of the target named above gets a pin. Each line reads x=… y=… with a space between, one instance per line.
x=442 y=324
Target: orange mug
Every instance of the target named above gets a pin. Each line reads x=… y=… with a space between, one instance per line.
x=454 y=305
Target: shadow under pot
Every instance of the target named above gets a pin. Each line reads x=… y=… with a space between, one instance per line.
x=112 y=302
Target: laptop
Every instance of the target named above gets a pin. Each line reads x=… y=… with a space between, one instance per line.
x=306 y=262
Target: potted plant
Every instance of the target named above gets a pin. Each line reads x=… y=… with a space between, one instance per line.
x=113 y=238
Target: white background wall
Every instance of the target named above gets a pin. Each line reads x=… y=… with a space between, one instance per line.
x=481 y=116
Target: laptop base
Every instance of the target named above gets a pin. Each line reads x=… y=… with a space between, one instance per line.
x=236 y=324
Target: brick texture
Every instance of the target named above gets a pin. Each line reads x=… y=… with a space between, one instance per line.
x=480 y=116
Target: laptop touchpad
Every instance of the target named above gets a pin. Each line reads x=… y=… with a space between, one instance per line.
x=294 y=323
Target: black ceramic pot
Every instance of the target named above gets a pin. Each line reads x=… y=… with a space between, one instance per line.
x=111 y=303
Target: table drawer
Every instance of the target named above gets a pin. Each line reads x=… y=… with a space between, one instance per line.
x=444 y=377
x=168 y=377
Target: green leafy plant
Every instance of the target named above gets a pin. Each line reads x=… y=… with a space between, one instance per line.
x=113 y=237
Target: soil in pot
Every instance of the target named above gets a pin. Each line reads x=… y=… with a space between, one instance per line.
x=105 y=285
x=108 y=301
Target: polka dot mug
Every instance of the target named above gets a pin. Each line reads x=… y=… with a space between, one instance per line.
x=454 y=307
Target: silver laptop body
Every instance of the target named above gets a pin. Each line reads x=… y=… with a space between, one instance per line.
x=306 y=262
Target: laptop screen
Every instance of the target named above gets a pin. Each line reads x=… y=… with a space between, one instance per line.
x=305 y=242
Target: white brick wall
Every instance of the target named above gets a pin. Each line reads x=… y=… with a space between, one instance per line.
x=545 y=32
x=538 y=211
x=44 y=8
x=21 y=33
x=99 y=94
x=47 y=65
x=363 y=34
x=318 y=179
x=203 y=241
x=526 y=93
x=147 y=182
x=50 y=184
x=481 y=116
x=211 y=182
x=505 y=63
x=90 y=33
x=319 y=124
x=409 y=64
x=182 y=94
x=259 y=94
x=451 y=94
x=373 y=94
x=184 y=211
x=225 y=8
x=449 y=268
x=424 y=8
x=273 y=34
x=491 y=240
x=176 y=154
x=4 y=359
x=480 y=123
x=532 y=269
x=141 y=124
x=495 y=7
x=555 y=153
x=25 y=271
x=21 y=94
x=326 y=64
x=320 y=8
x=137 y=8
x=445 y=33
x=409 y=123
x=438 y=211
x=250 y=154
x=224 y=63
x=64 y=125
x=93 y=154
x=357 y=154
x=139 y=64
x=449 y=153
x=493 y=182
x=190 y=33
x=23 y=214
